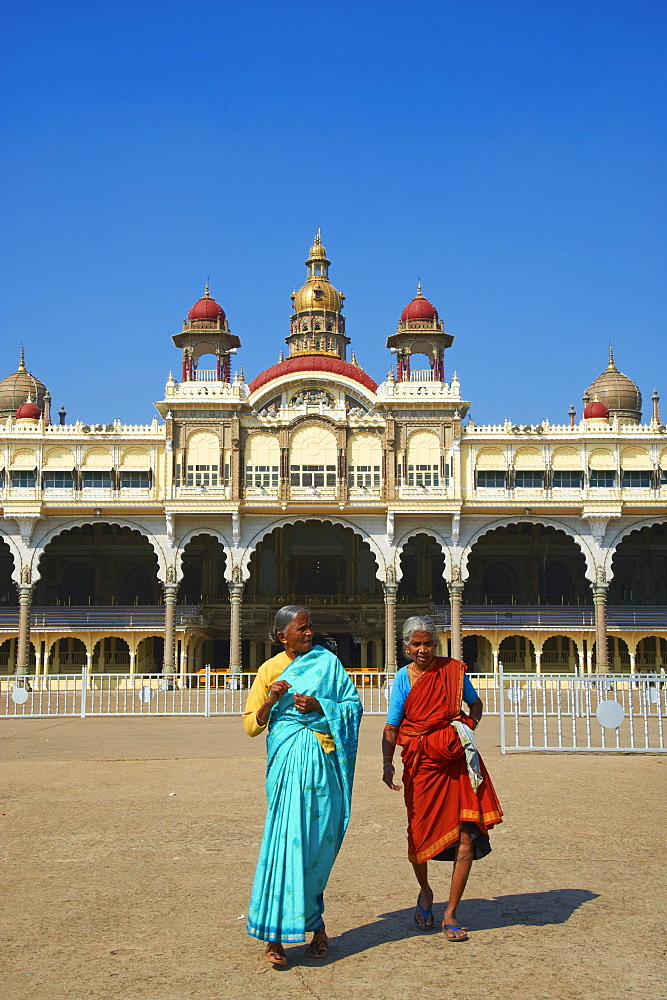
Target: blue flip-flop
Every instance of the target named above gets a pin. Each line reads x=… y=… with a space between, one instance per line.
x=425 y=914
x=454 y=927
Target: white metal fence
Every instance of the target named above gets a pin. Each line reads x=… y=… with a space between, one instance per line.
x=536 y=711
x=596 y=712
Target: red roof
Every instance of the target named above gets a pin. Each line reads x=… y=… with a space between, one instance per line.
x=313 y=363
x=596 y=409
x=420 y=309
x=28 y=411
x=206 y=309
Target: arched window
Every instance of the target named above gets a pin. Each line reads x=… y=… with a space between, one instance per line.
x=313 y=458
x=423 y=460
x=364 y=462
x=203 y=459
x=262 y=456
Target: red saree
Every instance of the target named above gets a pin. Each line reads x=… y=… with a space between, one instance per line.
x=438 y=793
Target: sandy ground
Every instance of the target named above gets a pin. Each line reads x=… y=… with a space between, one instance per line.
x=114 y=888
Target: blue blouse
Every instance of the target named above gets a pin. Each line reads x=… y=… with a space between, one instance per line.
x=401 y=689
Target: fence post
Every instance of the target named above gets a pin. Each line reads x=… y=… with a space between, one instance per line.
x=84 y=685
x=501 y=705
x=207 y=692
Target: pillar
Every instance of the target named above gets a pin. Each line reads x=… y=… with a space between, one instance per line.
x=538 y=661
x=455 y=594
x=170 y=590
x=23 y=644
x=496 y=658
x=589 y=656
x=600 y=600
x=133 y=661
x=633 y=663
x=390 y=626
x=235 y=598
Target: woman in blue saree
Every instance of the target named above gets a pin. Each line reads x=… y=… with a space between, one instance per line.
x=313 y=713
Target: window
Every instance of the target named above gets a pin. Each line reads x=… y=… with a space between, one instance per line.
x=528 y=479
x=641 y=479
x=22 y=479
x=58 y=481
x=262 y=476
x=603 y=478
x=312 y=475
x=568 y=480
x=96 y=480
x=423 y=475
x=135 y=480
x=491 y=479
x=202 y=475
x=363 y=476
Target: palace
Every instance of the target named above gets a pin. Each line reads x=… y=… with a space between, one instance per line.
x=169 y=546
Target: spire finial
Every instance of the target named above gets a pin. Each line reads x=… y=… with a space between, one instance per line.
x=22 y=367
x=318 y=236
x=206 y=295
x=419 y=288
x=611 y=357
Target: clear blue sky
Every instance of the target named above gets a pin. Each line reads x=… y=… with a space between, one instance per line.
x=511 y=155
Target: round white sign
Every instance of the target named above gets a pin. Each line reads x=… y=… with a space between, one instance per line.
x=145 y=694
x=19 y=694
x=609 y=714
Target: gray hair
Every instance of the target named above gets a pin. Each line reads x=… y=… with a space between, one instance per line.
x=420 y=623
x=284 y=616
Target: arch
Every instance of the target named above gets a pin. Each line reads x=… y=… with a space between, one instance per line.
x=16 y=556
x=553 y=653
x=512 y=657
x=23 y=458
x=214 y=533
x=636 y=458
x=70 y=651
x=135 y=458
x=313 y=444
x=601 y=458
x=97 y=459
x=198 y=573
x=566 y=460
x=262 y=461
x=400 y=543
x=103 y=659
x=490 y=458
x=421 y=572
x=528 y=458
x=59 y=458
x=55 y=530
x=548 y=522
x=281 y=522
x=622 y=533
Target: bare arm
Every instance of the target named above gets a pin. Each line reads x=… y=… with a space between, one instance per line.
x=275 y=693
x=475 y=711
x=389 y=736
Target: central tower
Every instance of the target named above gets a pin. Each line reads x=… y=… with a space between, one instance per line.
x=317 y=325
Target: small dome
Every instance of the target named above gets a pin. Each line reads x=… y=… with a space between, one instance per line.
x=17 y=387
x=318 y=295
x=206 y=310
x=28 y=411
x=618 y=392
x=420 y=309
x=596 y=411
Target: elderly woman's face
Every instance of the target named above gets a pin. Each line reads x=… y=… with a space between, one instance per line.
x=298 y=636
x=421 y=649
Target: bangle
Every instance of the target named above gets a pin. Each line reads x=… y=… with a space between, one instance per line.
x=390 y=763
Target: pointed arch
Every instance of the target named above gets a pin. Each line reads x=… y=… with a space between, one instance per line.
x=122 y=522
x=400 y=544
x=548 y=522
x=623 y=532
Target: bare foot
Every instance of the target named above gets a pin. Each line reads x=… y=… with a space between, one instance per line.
x=424 y=910
x=275 y=953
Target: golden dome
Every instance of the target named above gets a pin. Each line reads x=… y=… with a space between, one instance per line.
x=15 y=389
x=318 y=293
x=618 y=392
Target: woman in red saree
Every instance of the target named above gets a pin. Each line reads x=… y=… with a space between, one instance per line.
x=450 y=800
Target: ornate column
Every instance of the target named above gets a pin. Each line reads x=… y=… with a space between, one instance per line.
x=23 y=644
x=235 y=598
x=538 y=661
x=170 y=591
x=390 y=622
x=600 y=600
x=455 y=594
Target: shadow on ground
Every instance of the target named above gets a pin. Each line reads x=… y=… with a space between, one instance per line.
x=525 y=909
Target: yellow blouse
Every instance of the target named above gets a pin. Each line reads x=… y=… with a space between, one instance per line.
x=269 y=672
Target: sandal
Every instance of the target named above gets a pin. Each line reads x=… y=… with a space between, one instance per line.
x=454 y=937
x=427 y=916
x=318 y=948
x=275 y=954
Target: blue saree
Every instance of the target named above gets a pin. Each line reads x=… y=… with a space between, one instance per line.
x=309 y=794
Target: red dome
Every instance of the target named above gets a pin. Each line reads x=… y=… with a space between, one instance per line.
x=28 y=411
x=313 y=363
x=596 y=409
x=206 y=310
x=419 y=309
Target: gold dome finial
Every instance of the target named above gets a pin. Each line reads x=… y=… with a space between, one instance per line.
x=318 y=236
x=611 y=367
x=22 y=366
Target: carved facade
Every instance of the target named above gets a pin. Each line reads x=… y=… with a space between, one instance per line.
x=169 y=546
